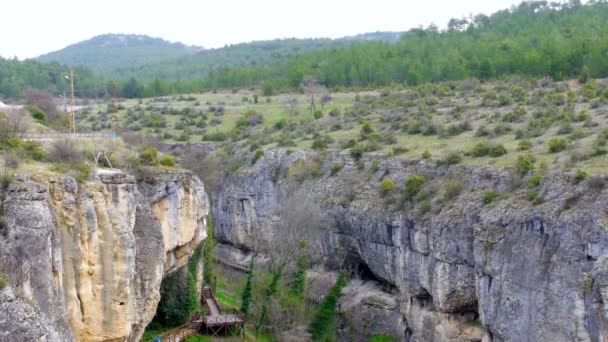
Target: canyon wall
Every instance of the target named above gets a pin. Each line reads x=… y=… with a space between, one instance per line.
x=85 y=261
x=517 y=268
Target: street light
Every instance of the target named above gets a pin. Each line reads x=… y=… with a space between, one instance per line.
x=73 y=117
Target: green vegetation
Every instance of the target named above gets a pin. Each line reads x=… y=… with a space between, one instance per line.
x=412 y=186
x=386 y=185
x=557 y=145
x=321 y=327
x=524 y=164
x=580 y=176
x=208 y=274
x=382 y=338
x=489 y=196
x=246 y=296
x=168 y=161
x=3 y=282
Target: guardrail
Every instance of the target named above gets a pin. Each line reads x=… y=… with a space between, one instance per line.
x=50 y=136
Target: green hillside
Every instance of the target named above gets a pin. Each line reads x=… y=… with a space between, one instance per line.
x=111 y=51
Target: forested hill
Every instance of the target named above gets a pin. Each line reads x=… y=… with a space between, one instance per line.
x=534 y=39
x=111 y=51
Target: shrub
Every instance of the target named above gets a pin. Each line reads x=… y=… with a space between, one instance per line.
x=38 y=114
x=356 y=152
x=386 y=186
x=258 y=154
x=3 y=282
x=557 y=145
x=320 y=143
x=451 y=158
x=524 y=145
x=148 y=156
x=535 y=179
x=334 y=169
x=426 y=154
x=452 y=189
x=318 y=114
x=167 y=161
x=524 y=164
x=489 y=196
x=64 y=151
x=580 y=176
x=412 y=186
x=32 y=150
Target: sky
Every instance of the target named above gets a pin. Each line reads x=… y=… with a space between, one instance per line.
x=30 y=28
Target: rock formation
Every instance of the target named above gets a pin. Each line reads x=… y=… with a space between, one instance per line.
x=85 y=261
x=510 y=270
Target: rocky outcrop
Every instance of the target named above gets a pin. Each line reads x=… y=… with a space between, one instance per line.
x=89 y=258
x=510 y=270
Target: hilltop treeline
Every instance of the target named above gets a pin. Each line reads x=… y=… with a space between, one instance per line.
x=534 y=39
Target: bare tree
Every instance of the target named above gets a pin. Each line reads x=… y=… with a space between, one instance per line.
x=314 y=90
x=42 y=99
x=301 y=224
x=12 y=123
x=291 y=104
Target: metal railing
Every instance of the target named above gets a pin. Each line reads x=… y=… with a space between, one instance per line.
x=51 y=136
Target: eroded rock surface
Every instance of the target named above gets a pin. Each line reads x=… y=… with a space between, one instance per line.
x=89 y=258
x=510 y=270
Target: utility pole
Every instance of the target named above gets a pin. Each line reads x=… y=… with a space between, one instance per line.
x=113 y=118
x=113 y=97
x=73 y=118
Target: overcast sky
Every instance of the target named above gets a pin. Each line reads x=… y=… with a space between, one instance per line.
x=29 y=28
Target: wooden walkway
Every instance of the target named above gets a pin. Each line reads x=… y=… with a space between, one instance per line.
x=214 y=323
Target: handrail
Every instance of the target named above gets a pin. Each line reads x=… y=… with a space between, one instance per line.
x=67 y=135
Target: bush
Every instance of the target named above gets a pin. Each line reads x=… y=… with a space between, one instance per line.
x=580 y=176
x=335 y=169
x=167 y=161
x=452 y=189
x=426 y=154
x=64 y=151
x=535 y=179
x=412 y=186
x=451 y=158
x=557 y=145
x=149 y=156
x=356 y=152
x=38 y=114
x=489 y=196
x=258 y=154
x=524 y=145
x=386 y=186
x=524 y=164
x=317 y=114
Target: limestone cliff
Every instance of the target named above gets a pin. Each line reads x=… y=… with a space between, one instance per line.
x=458 y=269
x=89 y=258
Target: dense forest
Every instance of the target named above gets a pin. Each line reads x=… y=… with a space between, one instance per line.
x=534 y=39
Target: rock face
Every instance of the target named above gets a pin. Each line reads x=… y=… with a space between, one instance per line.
x=509 y=270
x=89 y=259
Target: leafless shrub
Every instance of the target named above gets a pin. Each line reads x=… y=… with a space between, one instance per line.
x=468 y=84
x=11 y=123
x=64 y=151
x=11 y=159
x=300 y=219
x=41 y=99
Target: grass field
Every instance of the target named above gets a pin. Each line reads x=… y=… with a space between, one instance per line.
x=521 y=116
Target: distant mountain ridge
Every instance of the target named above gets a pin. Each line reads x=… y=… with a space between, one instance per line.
x=144 y=57
x=110 y=51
